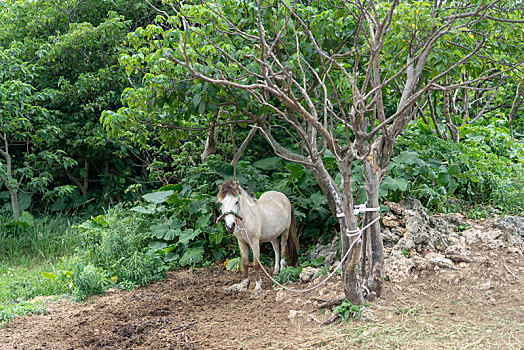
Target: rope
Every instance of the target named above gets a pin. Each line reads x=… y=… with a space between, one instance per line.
x=348 y=233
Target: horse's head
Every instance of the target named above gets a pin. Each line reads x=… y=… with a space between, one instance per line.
x=228 y=197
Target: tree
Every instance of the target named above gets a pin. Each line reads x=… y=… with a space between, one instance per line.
x=341 y=77
x=27 y=132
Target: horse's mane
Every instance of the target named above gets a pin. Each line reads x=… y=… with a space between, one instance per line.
x=232 y=188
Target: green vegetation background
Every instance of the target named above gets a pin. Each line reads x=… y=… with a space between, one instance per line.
x=99 y=211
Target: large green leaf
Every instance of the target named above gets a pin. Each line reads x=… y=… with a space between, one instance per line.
x=406 y=157
x=158 y=197
x=271 y=163
x=150 y=209
x=157 y=245
x=203 y=221
x=188 y=235
x=192 y=256
x=296 y=170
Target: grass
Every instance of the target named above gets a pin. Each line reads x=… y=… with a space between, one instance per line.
x=26 y=252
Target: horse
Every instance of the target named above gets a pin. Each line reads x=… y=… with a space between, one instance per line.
x=255 y=221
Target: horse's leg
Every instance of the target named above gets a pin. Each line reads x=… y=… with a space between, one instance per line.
x=276 y=248
x=256 y=265
x=244 y=249
x=283 y=245
x=242 y=286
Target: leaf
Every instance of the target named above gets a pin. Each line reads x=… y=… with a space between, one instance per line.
x=49 y=275
x=234 y=264
x=296 y=170
x=100 y=220
x=148 y=210
x=171 y=256
x=196 y=100
x=395 y=184
x=158 y=197
x=267 y=164
x=203 y=221
x=198 y=206
x=157 y=245
x=188 y=235
x=24 y=201
x=406 y=157
x=27 y=219
x=191 y=256
x=319 y=199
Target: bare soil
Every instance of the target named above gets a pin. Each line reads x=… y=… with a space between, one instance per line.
x=478 y=306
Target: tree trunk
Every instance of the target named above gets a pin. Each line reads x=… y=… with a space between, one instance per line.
x=373 y=174
x=342 y=207
x=453 y=131
x=9 y=182
x=211 y=143
x=350 y=240
x=14 y=204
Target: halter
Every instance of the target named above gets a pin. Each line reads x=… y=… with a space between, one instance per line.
x=231 y=212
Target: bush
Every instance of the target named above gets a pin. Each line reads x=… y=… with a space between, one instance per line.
x=485 y=168
x=88 y=279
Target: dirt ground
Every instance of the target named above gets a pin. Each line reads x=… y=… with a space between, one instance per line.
x=478 y=306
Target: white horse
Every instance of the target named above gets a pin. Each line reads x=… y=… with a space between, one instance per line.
x=255 y=221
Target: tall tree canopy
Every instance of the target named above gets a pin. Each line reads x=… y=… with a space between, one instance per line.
x=342 y=77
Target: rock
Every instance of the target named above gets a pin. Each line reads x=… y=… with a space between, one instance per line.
x=329 y=252
x=413 y=204
x=395 y=207
x=485 y=286
x=308 y=273
x=393 y=235
x=389 y=220
x=513 y=226
x=443 y=262
x=397 y=268
x=280 y=295
x=294 y=313
x=456 y=249
x=420 y=263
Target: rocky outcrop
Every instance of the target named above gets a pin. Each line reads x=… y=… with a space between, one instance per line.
x=415 y=241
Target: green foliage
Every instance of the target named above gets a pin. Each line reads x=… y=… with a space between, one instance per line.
x=288 y=274
x=348 y=311
x=10 y=311
x=234 y=264
x=37 y=238
x=88 y=279
x=487 y=168
x=114 y=250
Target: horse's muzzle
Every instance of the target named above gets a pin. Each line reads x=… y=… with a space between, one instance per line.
x=231 y=228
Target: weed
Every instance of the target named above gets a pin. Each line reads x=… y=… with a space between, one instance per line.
x=349 y=311
x=10 y=311
x=288 y=274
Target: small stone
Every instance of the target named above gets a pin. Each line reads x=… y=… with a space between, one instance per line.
x=485 y=286
x=308 y=273
x=443 y=262
x=280 y=295
x=293 y=313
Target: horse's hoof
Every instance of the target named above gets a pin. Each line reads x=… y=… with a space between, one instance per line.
x=239 y=287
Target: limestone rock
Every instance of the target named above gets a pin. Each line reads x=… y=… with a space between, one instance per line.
x=308 y=273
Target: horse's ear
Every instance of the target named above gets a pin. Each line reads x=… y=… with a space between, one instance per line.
x=236 y=186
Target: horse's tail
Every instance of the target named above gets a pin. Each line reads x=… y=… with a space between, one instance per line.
x=292 y=241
